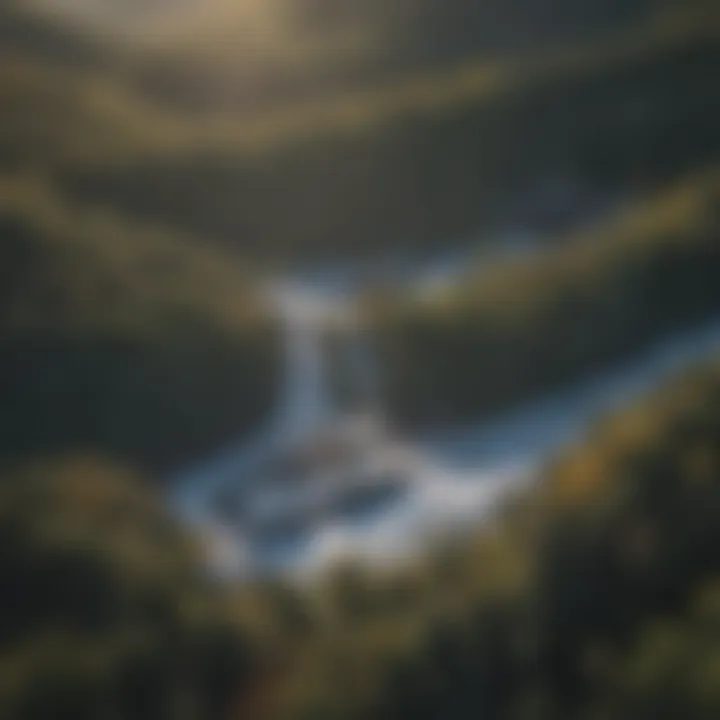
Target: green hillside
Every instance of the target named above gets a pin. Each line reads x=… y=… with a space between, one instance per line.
x=122 y=339
x=404 y=164
x=142 y=204
x=116 y=335
x=529 y=326
x=409 y=167
x=95 y=163
x=104 y=608
x=593 y=596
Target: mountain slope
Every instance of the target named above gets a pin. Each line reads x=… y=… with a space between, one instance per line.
x=412 y=167
x=525 y=328
x=121 y=340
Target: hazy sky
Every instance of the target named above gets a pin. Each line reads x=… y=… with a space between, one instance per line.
x=226 y=29
x=168 y=16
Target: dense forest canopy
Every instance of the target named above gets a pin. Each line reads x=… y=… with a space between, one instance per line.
x=99 y=314
x=497 y=337
x=594 y=595
x=104 y=608
x=158 y=163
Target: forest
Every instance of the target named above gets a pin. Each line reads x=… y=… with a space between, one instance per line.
x=153 y=190
x=593 y=595
x=396 y=171
x=97 y=313
x=537 y=323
